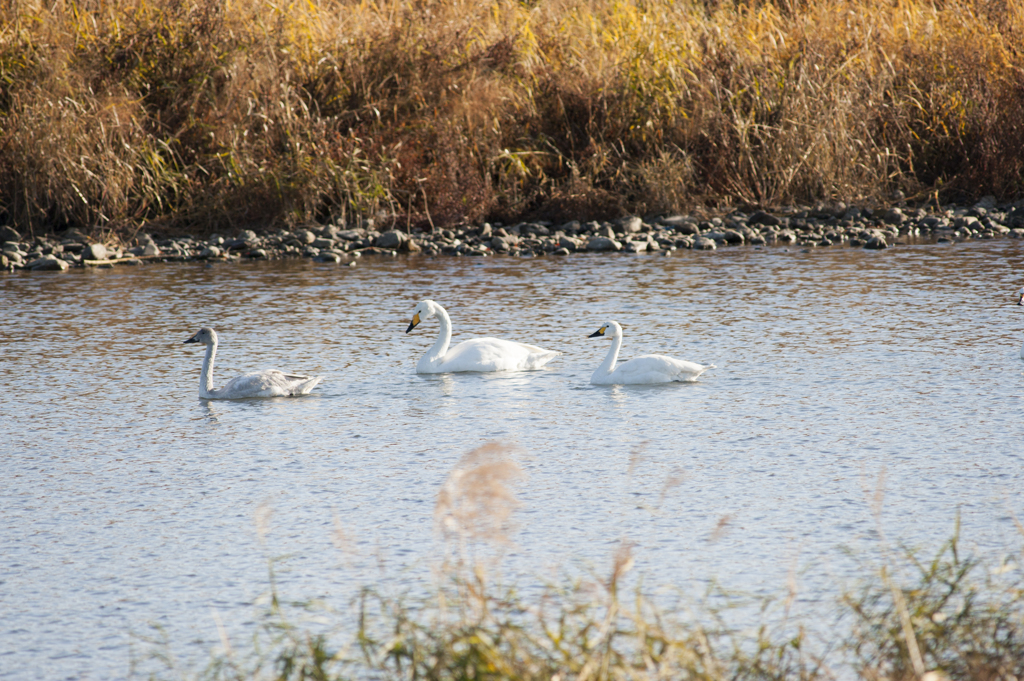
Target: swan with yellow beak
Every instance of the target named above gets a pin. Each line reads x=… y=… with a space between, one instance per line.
x=476 y=354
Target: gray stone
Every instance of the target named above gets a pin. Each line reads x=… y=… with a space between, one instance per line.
x=560 y=251
x=15 y=257
x=150 y=249
x=305 y=236
x=328 y=257
x=210 y=252
x=876 y=243
x=786 y=236
x=986 y=202
x=674 y=220
x=391 y=240
x=631 y=225
x=760 y=217
x=605 y=231
x=322 y=243
x=75 y=235
x=411 y=246
x=603 y=243
x=8 y=233
x=351 y=234
x=852 y=213
x=635 y=247
x=48 y=262
x=249 y=237
x=893 y=216
x=502 y=244
x=688 y=228
x=733 y=237
x=95 y=252
x=569 y=243
x=485 y=231
x=702 y=243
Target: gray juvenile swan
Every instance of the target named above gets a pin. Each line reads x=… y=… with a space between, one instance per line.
x=269 y=383
x=476 y=354
x=642 y=370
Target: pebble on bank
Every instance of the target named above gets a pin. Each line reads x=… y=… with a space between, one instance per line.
x=819 y=227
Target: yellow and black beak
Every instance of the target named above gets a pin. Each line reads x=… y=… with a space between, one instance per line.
x=598 y=333
x=1020 y=298
x=193 y=339
x=414 y=322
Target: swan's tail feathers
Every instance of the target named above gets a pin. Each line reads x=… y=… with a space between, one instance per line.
x=705 y=368
x=306 y=385
x=538 y=359
x=693 y=372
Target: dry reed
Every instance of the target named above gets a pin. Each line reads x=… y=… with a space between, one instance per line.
x=942 y=623
x=205 y=114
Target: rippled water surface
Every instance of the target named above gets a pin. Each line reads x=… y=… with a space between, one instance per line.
x=126 y=502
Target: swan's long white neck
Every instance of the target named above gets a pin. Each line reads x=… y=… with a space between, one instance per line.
x=444 y=338
x=206 y=378
x=608 y=365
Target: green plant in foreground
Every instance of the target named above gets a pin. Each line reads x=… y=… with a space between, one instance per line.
x=961 y=627
x=944 y=623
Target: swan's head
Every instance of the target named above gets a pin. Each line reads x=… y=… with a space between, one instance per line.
x=607 y=330
x=1020 y=297
x=205 y=335
x=425 y=309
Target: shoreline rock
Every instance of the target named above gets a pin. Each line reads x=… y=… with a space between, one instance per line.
x=832 y=226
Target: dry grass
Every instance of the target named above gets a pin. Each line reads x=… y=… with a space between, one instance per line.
x=208 y=114
x=943 y=622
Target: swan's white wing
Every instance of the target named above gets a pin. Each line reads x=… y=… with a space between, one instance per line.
x=270 y=383
x=648 y=369
x=494 y=354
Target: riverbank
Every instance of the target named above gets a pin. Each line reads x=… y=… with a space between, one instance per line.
x=212 y=117
x=835 y=226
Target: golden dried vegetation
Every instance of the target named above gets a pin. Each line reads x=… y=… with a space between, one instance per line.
x=219 y=114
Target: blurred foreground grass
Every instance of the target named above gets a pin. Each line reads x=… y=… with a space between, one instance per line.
x=220 y=114
x=946 y=617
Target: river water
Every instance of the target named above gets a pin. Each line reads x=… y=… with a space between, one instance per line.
x=843 y=377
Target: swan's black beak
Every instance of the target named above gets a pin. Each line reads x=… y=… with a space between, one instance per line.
x=1020 y=301
x=193 y=339
x=414 y=322
x=598 y=333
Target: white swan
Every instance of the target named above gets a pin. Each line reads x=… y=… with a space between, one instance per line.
x=269 y=383
x=476 y=354
x=645 y=369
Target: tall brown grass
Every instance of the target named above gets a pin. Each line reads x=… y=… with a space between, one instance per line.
x=213 y=114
